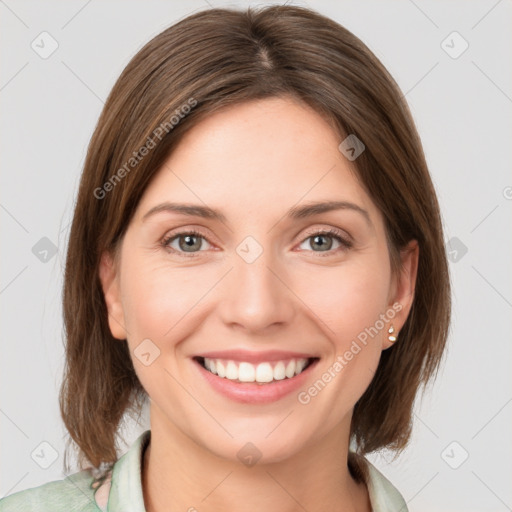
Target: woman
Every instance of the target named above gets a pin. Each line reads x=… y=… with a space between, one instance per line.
x=257 y=249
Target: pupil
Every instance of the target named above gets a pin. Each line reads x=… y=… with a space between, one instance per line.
x=322 y=245
x=189 y=243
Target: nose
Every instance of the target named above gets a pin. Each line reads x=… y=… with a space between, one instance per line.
x=256 y=296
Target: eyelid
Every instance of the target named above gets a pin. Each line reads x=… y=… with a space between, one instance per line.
x=330 y=230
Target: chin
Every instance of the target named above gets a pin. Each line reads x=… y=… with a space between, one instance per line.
x=257 y=447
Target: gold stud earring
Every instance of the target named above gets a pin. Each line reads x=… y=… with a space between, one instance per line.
x=391 y=336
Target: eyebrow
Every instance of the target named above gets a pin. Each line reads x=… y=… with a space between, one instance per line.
x=296 y=212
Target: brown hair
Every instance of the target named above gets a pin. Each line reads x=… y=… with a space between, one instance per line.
x=205 y=62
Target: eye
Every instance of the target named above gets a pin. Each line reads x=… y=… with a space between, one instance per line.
x=324 y=241
x=188 y=243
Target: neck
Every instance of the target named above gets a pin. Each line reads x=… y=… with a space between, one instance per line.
x=179 y=474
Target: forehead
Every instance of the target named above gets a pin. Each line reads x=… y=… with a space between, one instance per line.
x=263 y=155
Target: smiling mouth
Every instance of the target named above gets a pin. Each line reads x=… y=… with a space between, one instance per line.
x=262 y=373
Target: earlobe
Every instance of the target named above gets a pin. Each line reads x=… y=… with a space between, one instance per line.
x=110 y=285
x=404 y=294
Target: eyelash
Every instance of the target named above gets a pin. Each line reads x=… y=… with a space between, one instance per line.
x=334 y=233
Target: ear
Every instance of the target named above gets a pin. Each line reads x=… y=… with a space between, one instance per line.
x=110 y=283
x=403 y=296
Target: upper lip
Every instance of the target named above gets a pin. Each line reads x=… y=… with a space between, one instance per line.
x=255 y=357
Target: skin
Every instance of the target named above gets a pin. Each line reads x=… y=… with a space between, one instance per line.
x=254 y=162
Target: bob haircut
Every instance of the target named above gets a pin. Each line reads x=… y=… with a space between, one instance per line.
x=207 y=61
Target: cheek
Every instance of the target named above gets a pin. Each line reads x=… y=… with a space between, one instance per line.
x=160 y=300
x=347 y=298
x=349 y=303
x=159 y=303
x=146 y=307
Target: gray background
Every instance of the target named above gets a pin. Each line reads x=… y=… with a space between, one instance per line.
x=462 y=107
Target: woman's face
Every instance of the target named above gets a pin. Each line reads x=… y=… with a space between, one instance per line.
x=256 y=285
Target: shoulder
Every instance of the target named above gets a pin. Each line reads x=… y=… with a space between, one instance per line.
x=82 y=492
x=72 y=494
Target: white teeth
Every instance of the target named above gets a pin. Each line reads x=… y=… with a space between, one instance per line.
x=290 y=369
x=221 y=371
x=300 y=365
x=247 y=372
x=231 y=371
x=279 y=371
x=264 y=373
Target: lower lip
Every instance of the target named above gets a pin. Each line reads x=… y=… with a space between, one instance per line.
x=253 y=393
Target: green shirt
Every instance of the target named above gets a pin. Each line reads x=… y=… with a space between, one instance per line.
x=121 y=490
